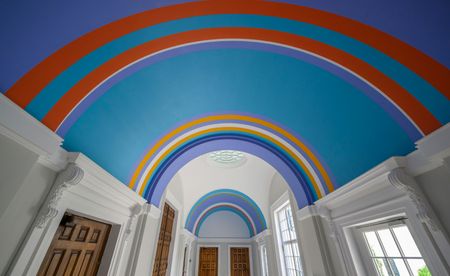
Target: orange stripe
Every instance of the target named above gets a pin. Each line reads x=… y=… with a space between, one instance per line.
x=415 y=110
x=212 y=118
x=25 y=89
x=297 y=159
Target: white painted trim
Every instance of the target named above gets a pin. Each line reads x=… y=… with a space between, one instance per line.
x=249 y=246
x=384 y=192
x=262 y=237
x=306 y=212
x=197 y=261
x=92 y=193
x=23 y=128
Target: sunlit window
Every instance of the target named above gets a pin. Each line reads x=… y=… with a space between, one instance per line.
x=288 y=240
x=393 y=251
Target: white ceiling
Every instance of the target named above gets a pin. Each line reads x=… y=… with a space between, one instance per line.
x=201 y=176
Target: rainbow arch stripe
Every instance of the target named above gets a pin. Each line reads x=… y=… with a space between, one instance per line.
x=226 y=208
x=301 y=167
x=226 y=200
x=61 y=83
x=412 y=88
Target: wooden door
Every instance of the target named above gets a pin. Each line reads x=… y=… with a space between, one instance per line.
x=239 y=261
x=208 y=261
x=165 y=237
x=77 y=247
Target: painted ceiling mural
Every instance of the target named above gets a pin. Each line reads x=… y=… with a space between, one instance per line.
x=230 y=201
x=321 y=91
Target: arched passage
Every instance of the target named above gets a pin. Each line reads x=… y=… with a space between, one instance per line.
x=228 y=200
x=298 y=165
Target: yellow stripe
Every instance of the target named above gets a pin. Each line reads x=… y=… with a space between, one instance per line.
x=176 y=131
x=206 y=131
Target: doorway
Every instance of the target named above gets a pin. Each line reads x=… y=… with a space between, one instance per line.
x=77 y=247
x=239 y=261
x=164 y=241
x=208 y=261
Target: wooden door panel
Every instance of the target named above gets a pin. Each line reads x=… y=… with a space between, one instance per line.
x=208 y=261
x=77 y=247
x=239 y=261
x=164 y=241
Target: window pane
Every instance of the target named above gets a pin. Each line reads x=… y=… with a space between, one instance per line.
x=288 y=237
x=398 y=267
x=388 y=243
x=381 y=266
x=374 y=246
x=406 y=241
x=418 y=267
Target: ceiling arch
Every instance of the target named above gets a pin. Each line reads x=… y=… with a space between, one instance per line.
x=226 y=200
x=294 y=160
x=115 y=92
x=225 y=208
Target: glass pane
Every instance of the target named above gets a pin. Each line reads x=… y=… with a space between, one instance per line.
x=406 y=241
x=388 y=243
x=374 y=246
x=418 y=267
x=398 y=267
x=288 y=238
x=381 y=266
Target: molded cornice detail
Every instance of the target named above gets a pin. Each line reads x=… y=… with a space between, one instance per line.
x=66 y=179
x=405 y=183
x=135 y=211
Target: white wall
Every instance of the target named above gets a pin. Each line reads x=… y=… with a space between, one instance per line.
x=24 y=184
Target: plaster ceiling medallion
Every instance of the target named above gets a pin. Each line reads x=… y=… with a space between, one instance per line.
x=226 y=158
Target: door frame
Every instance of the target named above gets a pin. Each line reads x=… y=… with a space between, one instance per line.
x=171 y=200
x=86 y=190
x=249 y=246
x=197 y=265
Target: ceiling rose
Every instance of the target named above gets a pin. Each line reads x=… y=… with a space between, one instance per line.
x=227 y=158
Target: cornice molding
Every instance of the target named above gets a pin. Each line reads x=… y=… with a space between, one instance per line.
x=406 y=183
x=262 y=237
x=135 y=211
x=23 y=128
x=69 y=177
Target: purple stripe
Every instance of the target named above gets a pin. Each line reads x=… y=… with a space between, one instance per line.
x=390 y=108
x=225 y=198
x=398 y=116
x=196 y=228
x=316 y=170
x=283 y=169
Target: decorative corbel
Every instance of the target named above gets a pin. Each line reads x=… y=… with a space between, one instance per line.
x=262 y=237
x=136 y=210
x=69 y=177
x=405 y=183
x=325 y=213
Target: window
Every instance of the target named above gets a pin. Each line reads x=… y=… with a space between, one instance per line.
x=288 y=241
x=393 y=251
x=264 y=263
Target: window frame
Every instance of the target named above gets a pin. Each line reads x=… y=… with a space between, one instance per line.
x=283 y=202
x=264 y=260
x=367 y=258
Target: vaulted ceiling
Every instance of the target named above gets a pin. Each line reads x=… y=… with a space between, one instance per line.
x=321 y=90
